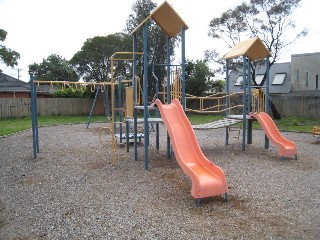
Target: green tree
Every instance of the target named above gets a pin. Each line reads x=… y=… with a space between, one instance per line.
x=141 y=9
x=218 y=85
x=8 y=56
x=92 y=61
x=270 y=20
x=55 y=68
x=198 y=77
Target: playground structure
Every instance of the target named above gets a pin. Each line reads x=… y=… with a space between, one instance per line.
x=207 y=179
x=256 y=99
x=174 y=82
x=121 y=101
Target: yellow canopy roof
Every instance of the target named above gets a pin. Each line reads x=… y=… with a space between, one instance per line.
x=167 y=19
x=253 y=48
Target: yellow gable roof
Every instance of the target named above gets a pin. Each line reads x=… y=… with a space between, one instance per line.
x=167 y=19
x=253 y=48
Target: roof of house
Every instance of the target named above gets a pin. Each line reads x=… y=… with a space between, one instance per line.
x=11 y=84
x=279 y=78
x=253 y=48
x=166 y=18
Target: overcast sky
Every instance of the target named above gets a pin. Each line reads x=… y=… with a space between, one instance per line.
x=38 y=28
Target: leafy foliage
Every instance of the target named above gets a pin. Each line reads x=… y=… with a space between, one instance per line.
x=8 y=56
x=198 y=77
x=268 y=19
x=218 y=85
x=72 y=93
x=54 y=68
x=92 y=61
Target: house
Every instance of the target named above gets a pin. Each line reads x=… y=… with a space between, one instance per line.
x=305 y=72
x=294 y=86
x=300 y=75
x=279 y=79
x=11 y=87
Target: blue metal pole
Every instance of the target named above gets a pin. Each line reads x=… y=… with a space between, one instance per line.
x=120 y=106
x=266 y=139
x=36 y=118
x=227 y=99
x=135 y=132
x=168 y=70
x=249 y=86
x=183 y=66
x=34 y=141
x=244 y=112
x=249 y=107
x=268 y=102
x=134 y=73
x=134 y=68
x=93 y=105
x=168 y=90
x=157 y=111
x=145 y=95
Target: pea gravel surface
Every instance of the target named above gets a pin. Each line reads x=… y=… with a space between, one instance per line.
x=72 y=191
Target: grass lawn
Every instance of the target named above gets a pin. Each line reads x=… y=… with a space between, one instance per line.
x=12 y=125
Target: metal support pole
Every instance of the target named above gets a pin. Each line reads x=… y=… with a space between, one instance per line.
x=168 y=91
x=135 y=130
x=168 y=70
x=249 y=107
x=268 y=103
x=134 y=69
x=157 y=111
x=134 y=84
x=120 y=106
x=244 y=112
x=227 y=99
x=93 y=105
x=36 y=117
x=145 y=95
x=183 y=66
x=33 y=117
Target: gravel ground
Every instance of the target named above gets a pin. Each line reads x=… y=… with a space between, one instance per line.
x=71 y=191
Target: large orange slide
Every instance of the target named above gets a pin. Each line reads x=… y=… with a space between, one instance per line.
x=207 y=178
x=286 y=147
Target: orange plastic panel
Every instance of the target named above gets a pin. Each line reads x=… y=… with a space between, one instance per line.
x=207 y=178
x=285 y=146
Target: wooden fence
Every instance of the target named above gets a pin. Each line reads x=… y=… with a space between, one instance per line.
x=21 y=107
x=306 y=104
x=303 y=104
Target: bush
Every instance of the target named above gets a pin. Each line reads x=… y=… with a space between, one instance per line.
x=72 y=93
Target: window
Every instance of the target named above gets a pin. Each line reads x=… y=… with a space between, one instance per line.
x=259 y=78
x=317 y=81
x=239 y=81
x=279 y=79
x=307 y=79
x=298 y=76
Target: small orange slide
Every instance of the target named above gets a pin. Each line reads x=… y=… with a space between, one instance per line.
x=286 y=147
x=207 y=178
